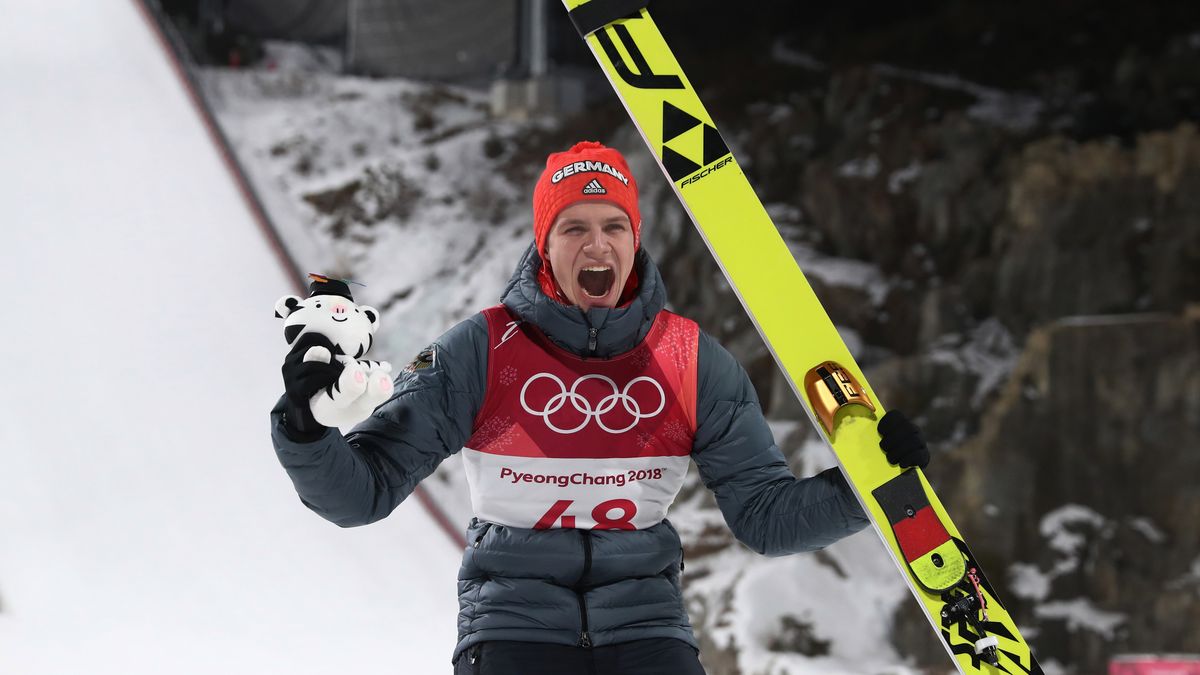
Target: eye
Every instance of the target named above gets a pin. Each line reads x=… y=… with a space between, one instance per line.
x=356 y=310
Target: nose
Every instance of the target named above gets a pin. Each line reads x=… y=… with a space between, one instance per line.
x=339 y=309
x=597 y=241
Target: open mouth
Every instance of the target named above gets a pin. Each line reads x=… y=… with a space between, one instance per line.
x=596 y=280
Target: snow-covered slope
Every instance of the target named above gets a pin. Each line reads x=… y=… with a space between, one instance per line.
x=145 y=525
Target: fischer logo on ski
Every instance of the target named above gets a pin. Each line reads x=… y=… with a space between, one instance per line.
x=697 y=148
x=643 y=78
x=681 y=127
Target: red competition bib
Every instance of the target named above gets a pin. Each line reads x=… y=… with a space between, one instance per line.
x=563 y=441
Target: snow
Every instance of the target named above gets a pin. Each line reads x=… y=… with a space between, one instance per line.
x=815 y=456
x=843 y=597
x=854 y=341
x=1051 y=666
x=845 y=594
x=290 y=56
x=781 y=53
x=1066 y=530
x=902 y=177
x=841 y=272
x=1015 y=112
x=786 y=217
x=1059 y=527
x=1148 y=529
x=1081 y=614
x=1194 y=571
x=989 y=353
x=814 y=594
x=866 y=167
x=1101 y=320
x=1189 y=580
x=303 y=133
x=148 y=527
x=1027 y=581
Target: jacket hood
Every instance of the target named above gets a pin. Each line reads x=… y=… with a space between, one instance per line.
x=617 y=330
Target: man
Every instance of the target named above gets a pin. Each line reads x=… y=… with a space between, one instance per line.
x=578 y=404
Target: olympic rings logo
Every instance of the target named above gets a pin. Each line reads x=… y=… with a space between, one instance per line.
x=584 y=406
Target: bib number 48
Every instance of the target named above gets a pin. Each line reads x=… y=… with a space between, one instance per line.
x=625 y=510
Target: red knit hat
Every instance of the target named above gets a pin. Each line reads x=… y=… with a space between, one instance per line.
x=589 y=171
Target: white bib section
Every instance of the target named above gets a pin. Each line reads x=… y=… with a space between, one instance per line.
x=545 y=492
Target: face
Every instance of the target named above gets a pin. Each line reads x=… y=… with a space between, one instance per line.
x=590 y=249
x=345 y=323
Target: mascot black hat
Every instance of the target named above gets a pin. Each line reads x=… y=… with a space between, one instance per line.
x=323 y=285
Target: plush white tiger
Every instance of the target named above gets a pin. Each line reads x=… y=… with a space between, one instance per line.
x=330 y=310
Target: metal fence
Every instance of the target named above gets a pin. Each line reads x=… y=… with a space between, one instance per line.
x=420 y=39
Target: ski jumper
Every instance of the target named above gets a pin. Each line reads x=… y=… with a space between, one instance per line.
x=573 y=460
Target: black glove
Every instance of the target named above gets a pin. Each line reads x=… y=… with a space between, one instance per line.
x=302 y=380
x=902 y=441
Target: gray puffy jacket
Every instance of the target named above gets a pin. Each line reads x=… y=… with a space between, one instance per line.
x=569 y=586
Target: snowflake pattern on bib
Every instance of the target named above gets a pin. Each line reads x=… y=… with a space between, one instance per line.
x=508 y=375
x=496 y=433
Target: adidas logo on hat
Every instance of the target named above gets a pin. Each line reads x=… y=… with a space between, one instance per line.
x=594 y=188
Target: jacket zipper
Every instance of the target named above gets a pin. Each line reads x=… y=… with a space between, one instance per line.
x=592 y=333
x=473 y=652
x=473 y=659
x=585 y=638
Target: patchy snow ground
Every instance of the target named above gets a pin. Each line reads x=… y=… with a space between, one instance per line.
x=385 y=181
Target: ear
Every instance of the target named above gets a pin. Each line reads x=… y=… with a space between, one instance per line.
x=286 y=305
x=372 y=315
x=290 y=333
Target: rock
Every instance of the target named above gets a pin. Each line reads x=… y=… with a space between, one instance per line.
x=1102 y=412
x=1075 y=209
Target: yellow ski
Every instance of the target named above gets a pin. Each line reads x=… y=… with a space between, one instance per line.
x=977 y=632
